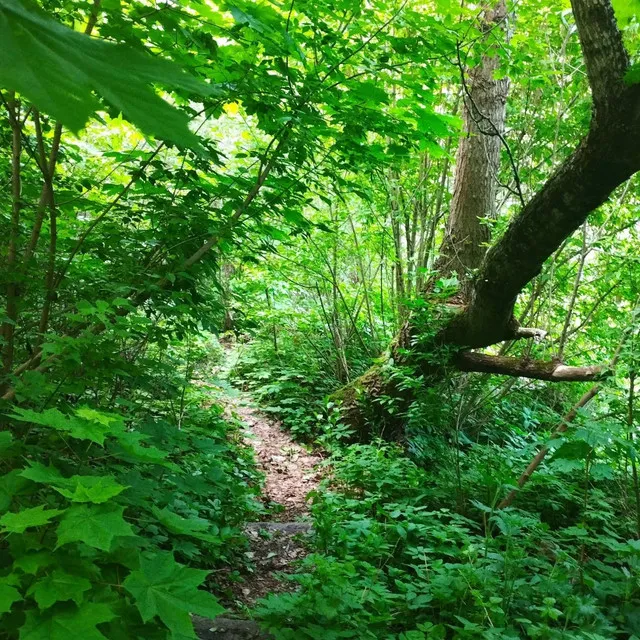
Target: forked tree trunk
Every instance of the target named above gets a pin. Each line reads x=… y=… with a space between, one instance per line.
x=607 y=156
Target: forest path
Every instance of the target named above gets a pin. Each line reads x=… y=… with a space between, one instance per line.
x=277 y=543
x=290 y=470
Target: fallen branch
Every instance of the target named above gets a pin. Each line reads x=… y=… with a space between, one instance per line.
x=552 y=371
x=527 y=332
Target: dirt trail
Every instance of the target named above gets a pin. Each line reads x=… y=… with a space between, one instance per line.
x=276 y=544
x=290 y=474
x=289 y=468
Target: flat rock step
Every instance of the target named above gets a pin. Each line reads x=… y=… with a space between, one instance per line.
x=284 y=527
x=228 y=629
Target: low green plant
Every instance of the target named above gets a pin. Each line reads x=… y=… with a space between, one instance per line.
x=393 y=567
x=292 y=388
x=104 y=516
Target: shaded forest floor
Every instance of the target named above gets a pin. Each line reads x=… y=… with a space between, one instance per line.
x=290 y=474
x=277 y=543
x=389 y=556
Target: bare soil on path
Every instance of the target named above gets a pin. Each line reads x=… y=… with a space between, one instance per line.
x=290 y=470
x=277 y=544
x=290 y=474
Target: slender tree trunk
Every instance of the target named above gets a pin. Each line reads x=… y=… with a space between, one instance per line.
x=341 y=363
x=396 y=205
x=365 y=282
x=574 y=294
x=634 y=465
x=8 y=326
x=226 y=273
x=274 y=328
x=477 y=163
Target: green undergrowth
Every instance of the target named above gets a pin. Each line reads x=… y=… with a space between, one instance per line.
x=116 y=523
x=391 y=562
x=409 y=541
x=291 y=385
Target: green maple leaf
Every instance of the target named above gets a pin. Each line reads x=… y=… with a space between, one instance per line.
x=78 y=65
x=176 y=524
x=194 y=527
x=107 y=419
x=76 y=427
x=166 y=589
x=96 y=526
x=435 y=124
x=96 y=489
x=31 y=563
x=85 y=430
x=8 y=595
x=37 y=472
x=22 y=520
x=58 y=587
x=67 y=624
x=129 y=448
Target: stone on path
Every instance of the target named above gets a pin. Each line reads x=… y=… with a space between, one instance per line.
x=228 y=629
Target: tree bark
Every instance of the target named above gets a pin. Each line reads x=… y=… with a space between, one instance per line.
x=477 y=163
x=552 y=371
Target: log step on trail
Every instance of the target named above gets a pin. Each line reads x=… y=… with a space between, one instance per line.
x=228 y=629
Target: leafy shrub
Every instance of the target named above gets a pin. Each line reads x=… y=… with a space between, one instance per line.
x=291 y=388
x=102 y=516
x=393 y=567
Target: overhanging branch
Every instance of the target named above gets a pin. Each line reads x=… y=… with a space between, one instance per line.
x=604 y=54
x=608 y=156
x=552 y=371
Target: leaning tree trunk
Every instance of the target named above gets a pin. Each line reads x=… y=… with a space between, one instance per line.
x=606 y=157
